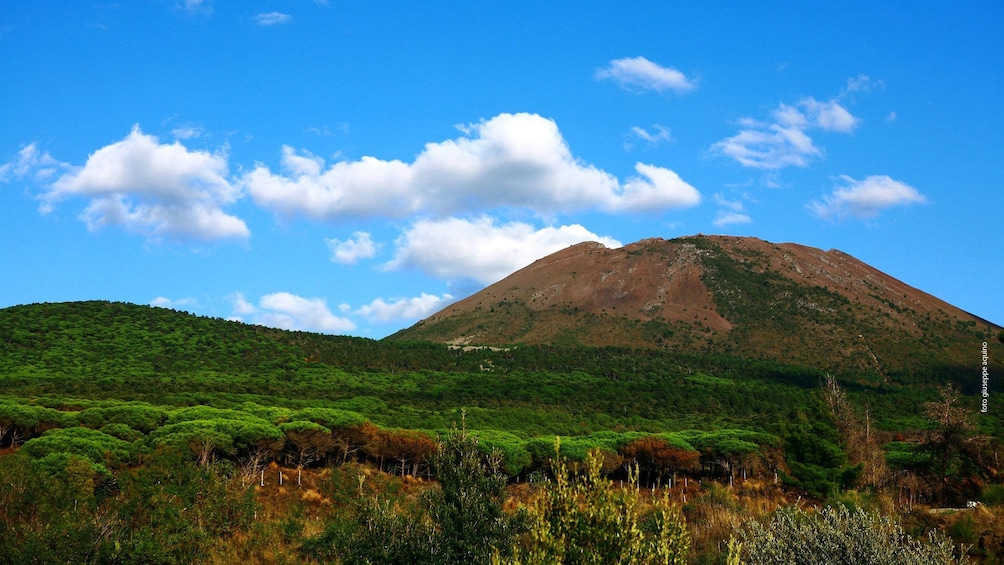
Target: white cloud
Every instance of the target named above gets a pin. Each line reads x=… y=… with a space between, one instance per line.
x=273 y=18
x=360 y=246
x=511 y=160
x=179 y=304
x=866 y=198
x=638 y=73
x=198 y=6
x=829 y=116
x=186 y=132
x=891 y=117
x=656 y=189
x=769 y=147
x=733 y=212
x=154 y=189
x=733 y=205
x=291 y=312
x=860 y=83
x=726 y=218
x=784 y=142
x=659 y=135
x=288 y=311
x=481 y=249
x=241 y=307
x=33 y=163
x=399 y=309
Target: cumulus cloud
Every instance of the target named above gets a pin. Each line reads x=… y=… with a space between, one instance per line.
x=655 y=189
x=273 y=18
x=784 y=142
x=360 y=246
x=481 y=249
x=155 y=189
x=511 y=160
x=638 y=73
x=288 y=311
x=399 y=309
x=866 y=198
x=241 y=306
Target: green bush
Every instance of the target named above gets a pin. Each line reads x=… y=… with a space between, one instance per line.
x=585 y=519
x=471 y=526
x=92 y=445
x=328 y=417
x=121 y=431
x=512 y=449
x=137 y=415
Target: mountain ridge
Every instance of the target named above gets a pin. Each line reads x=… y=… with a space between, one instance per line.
x=737 y=295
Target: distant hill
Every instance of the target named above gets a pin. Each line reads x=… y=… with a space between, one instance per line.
x=722 y=295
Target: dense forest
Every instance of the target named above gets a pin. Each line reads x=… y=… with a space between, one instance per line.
x=165 y=433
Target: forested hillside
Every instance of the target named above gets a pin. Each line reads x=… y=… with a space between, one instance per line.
x=115 y=351
x=105 y=390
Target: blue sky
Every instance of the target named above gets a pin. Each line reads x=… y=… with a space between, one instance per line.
x=351 y=168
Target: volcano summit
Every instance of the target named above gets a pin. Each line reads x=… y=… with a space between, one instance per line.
x=718 y=295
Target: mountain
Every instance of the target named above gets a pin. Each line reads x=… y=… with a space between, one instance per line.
x=721 y=295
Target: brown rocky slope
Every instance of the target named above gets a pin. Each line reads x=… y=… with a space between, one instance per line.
x=727 y=295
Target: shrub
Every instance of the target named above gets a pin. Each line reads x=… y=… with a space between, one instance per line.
x=838 y=535
x=993 y=495
x=656 y=457
x=95 y=446
x=462 y=521
x=511 y=448
x=586 y=519
x=471 y=525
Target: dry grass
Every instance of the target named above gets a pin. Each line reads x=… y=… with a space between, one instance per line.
x=712 y=511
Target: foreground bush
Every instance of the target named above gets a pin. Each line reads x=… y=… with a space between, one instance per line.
x=837 y=535
x=585 y=519
x=462 y=521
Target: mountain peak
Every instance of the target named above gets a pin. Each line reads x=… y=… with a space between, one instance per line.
x=715 y=294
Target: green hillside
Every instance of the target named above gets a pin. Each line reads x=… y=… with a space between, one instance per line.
x=74 y=356
x=59 y=354
x=138 y=412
